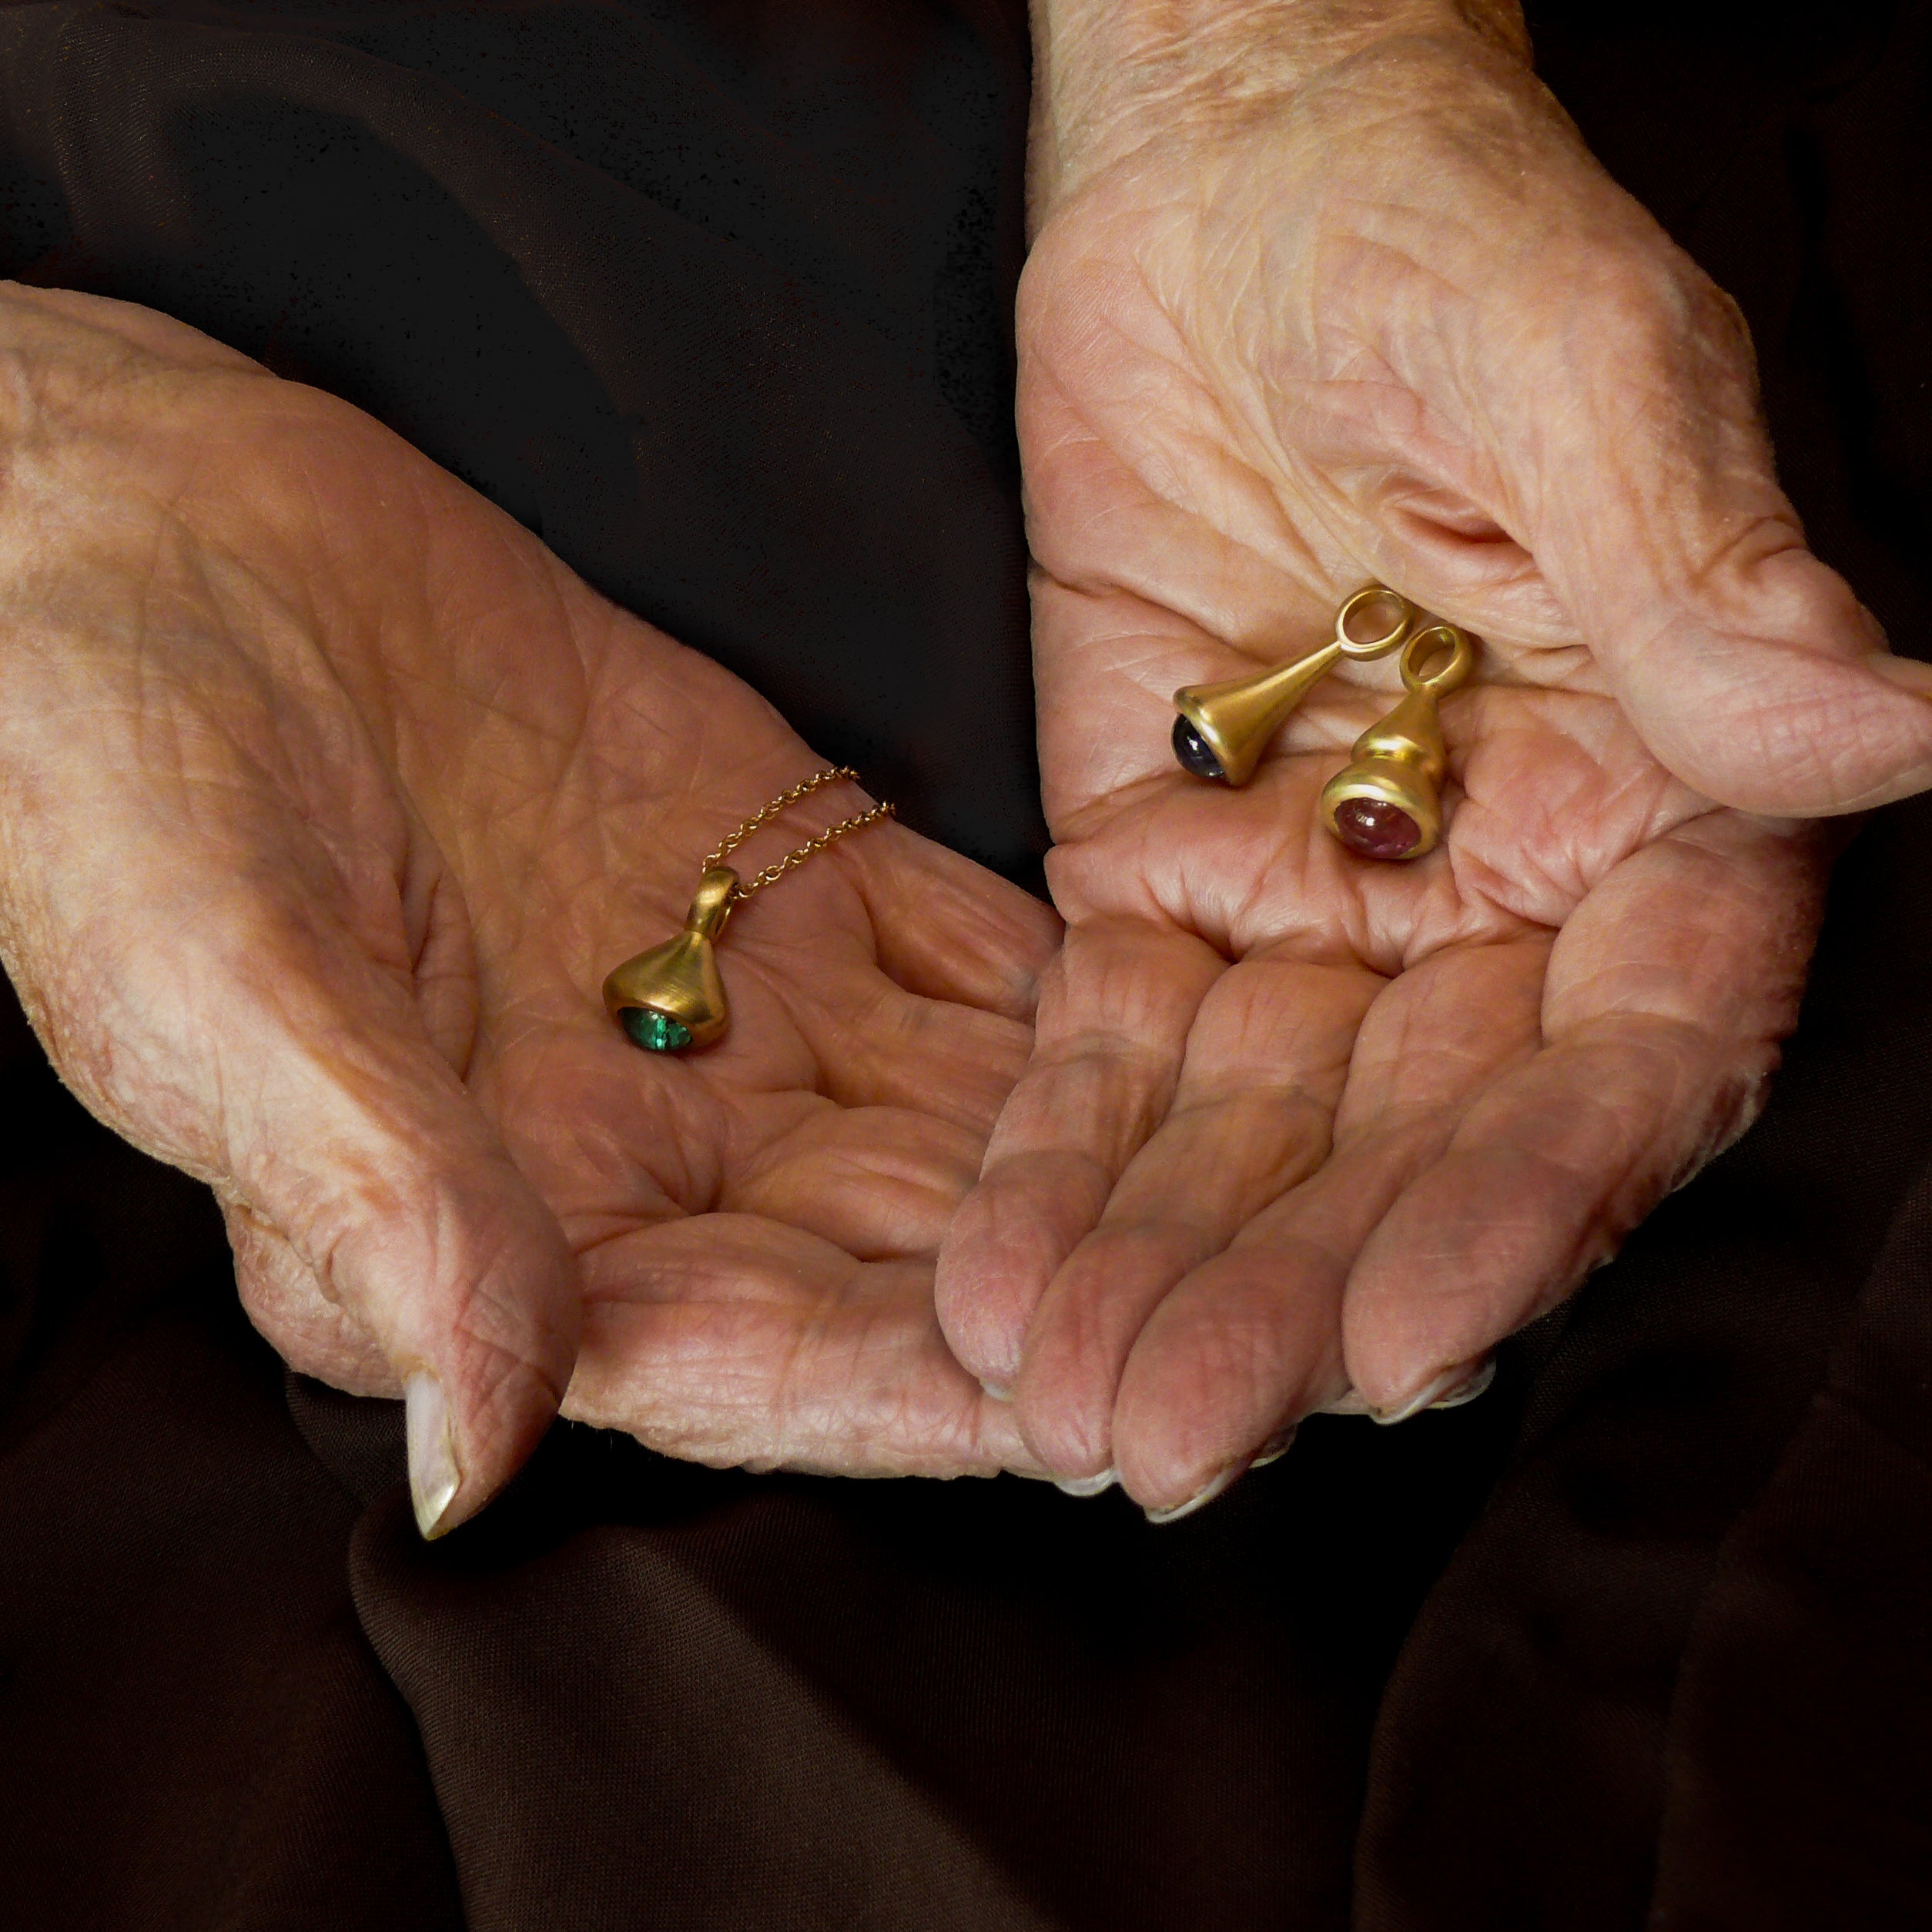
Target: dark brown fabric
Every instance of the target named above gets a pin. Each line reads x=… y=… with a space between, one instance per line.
x=1697 y=1611
x=714 y=296
x=637 y=1693
x=190 y=1731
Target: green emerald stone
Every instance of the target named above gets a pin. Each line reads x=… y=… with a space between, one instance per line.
x=656 y=1032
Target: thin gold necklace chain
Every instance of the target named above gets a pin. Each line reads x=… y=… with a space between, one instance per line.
x=765 y=813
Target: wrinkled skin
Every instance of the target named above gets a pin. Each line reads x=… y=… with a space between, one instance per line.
x=330 y=797
x=1302 y=1129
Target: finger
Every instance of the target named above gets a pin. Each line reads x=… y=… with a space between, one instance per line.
x=301 y=1081
x=1640 y=468
x=1265 y=1059
x=1669 y=993
x=1251 y=1341
x=1760 y=680
x=1115 y=1009
x=730 y=1339
x=950 y=930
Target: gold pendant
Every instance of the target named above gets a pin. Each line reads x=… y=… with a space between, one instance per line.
x=672 y=996
x=1222 y=729
x=1386 y=803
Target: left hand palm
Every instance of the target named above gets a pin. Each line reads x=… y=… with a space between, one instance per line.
x=332 y=798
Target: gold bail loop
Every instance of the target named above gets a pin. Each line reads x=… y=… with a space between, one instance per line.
x=1386 y=802
x=1223 y=728
x=710 y=906
x=1452 y=674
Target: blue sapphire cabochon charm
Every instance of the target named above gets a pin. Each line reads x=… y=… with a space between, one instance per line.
x=1220 y=731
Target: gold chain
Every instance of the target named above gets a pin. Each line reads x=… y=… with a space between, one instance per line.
x=765 y=813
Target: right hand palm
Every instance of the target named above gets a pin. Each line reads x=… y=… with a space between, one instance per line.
x=1299 y=1127
x=332 y=796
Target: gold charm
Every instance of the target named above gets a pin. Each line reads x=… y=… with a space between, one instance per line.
x=673 y=997
x=1222 y=729
x=1385 y=803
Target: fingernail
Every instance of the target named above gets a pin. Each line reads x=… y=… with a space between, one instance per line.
x=1087 y=1485
x=434 y=1476
x=1000 y=1392
x=1908 y=673
x=1471 y=1389
x=1275 y=1447
x=1425 y=1397
x=1350 y=1402
x=1199 y=1500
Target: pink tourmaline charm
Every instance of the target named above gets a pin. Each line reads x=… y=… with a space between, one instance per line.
x=1375 y=829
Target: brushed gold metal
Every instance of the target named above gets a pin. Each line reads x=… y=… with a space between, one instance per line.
x=680 y=979
x=1399 y=761
x=1237 y=718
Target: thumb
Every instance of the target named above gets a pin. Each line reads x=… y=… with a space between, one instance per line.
x=1761 y=681
x=1750 y=668
x=390 y=1189
x=385 y=1240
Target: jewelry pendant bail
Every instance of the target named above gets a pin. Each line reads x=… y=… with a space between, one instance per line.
x=672 y=997
x=1222 y=729
x=1387 y=801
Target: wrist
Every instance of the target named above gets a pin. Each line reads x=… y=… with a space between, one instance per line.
x=1109 y=74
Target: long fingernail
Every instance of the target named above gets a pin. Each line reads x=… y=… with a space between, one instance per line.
x=1201 y=1498
x=434 y=1476
x=1087 y=1485
x=1275 y=1447
x=1449 y=1382
x=1471 y=1389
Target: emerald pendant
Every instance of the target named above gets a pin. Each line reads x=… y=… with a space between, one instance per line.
x=671 y=997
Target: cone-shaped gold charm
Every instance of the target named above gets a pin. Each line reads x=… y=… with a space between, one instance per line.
x=1222 y=729
x=671 y=997
x=1385 y=803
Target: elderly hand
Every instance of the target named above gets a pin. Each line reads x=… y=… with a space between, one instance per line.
x=1321 y=291
x=330 y=796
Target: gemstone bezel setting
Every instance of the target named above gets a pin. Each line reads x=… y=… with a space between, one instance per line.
x=1193 y=753
x=1376 y=828
x=656 y=1032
